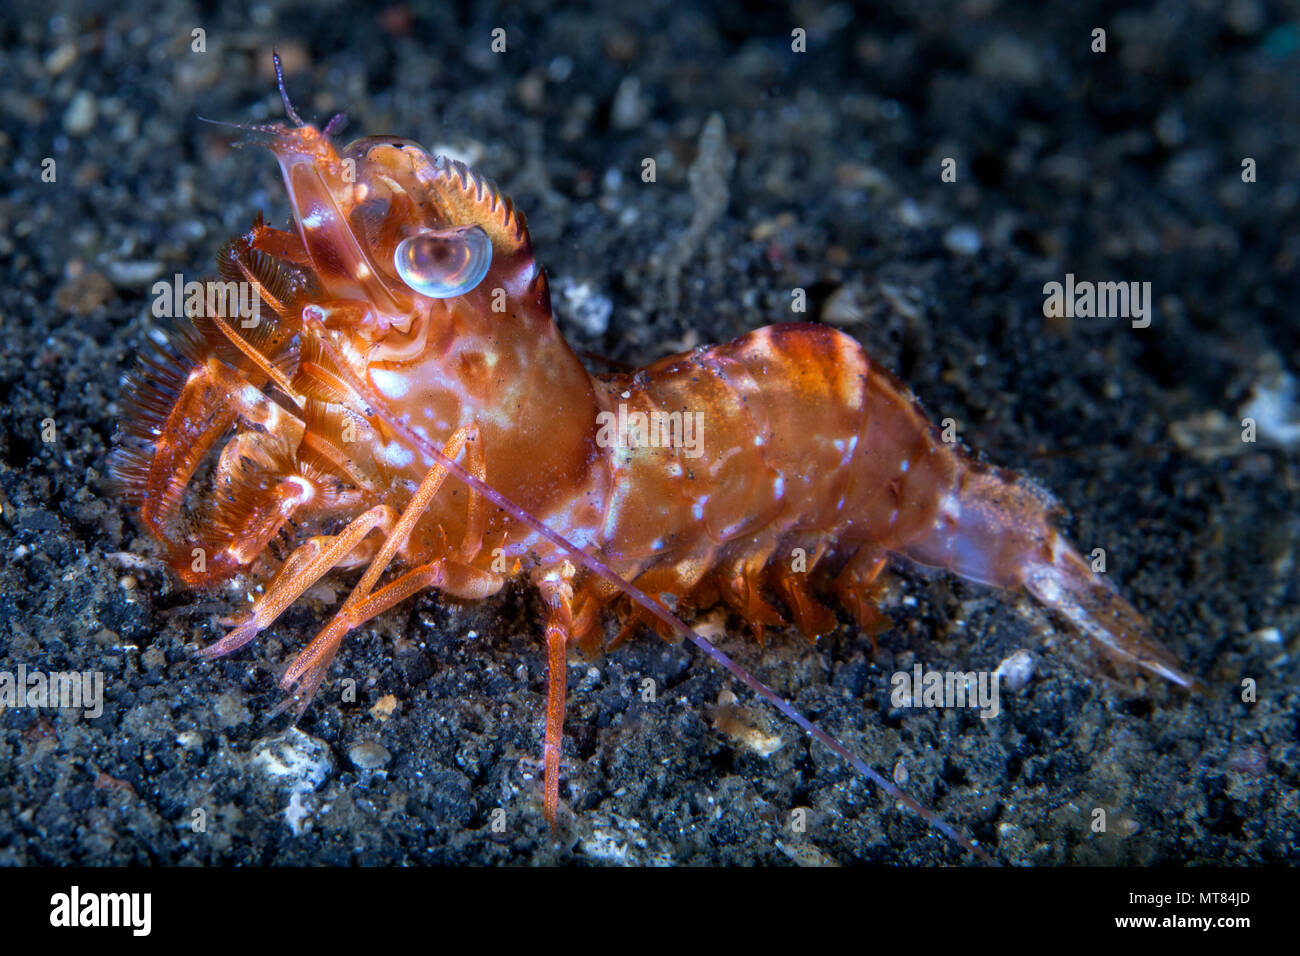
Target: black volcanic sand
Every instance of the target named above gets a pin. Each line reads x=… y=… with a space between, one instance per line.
x=1122 y=166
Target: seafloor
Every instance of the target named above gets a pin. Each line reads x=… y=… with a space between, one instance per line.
x=1117 y=166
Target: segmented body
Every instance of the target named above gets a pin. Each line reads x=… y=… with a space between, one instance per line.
x=811 y=465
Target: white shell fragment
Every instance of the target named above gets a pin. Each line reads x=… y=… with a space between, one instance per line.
x=1015 y=671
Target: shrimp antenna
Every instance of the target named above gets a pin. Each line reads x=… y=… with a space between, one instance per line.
x=284 y=94
x=263 y=131
x=336 y=123
x=602 y=570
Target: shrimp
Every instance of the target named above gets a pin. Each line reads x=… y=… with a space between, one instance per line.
x=404 y=333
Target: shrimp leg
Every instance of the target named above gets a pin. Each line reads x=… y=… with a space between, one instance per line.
x=455 y=577
x=307 y=565
x=557 y=591
x=857 y=586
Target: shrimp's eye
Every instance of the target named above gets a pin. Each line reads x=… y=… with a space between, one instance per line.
x=445 y=263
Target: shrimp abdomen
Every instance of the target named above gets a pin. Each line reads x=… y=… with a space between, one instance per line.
x=806 y=438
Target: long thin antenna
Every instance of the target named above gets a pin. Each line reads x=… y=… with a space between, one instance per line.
x=599 y=568
x=264 y=133
x=284 y=94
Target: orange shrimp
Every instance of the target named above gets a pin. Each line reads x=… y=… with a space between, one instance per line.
x=405 y=333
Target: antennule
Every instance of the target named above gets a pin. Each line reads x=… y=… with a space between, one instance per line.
x=284 y=94
x=336 y=123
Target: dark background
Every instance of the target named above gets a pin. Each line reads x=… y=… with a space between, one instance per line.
x=1123 y=166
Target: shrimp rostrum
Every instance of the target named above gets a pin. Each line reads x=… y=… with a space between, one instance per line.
x=403 y=324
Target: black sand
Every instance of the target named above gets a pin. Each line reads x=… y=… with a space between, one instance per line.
x=1122 y=166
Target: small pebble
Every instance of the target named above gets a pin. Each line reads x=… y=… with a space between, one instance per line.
x=1267 y=635
x=629 y=109
x=154 y=659
x=385 y=706
x=62 y=57
x=84 y=294
x=962 y=240
x=844 y=306
x=295 y=760
x=910 y=214
x=133 y=274
x=368 y=755
x=582 y=303
x=1126 y=827
x=80 y=116
x=558 y=70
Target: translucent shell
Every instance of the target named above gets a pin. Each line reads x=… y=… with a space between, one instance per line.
x=444 y=263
